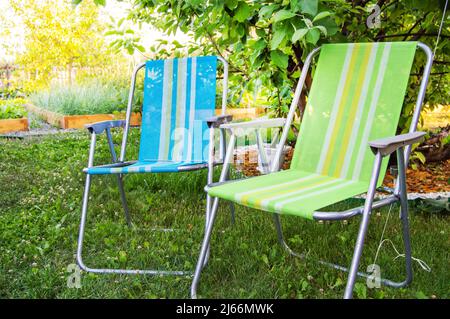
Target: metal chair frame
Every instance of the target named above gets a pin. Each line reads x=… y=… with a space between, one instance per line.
x=399 y=194
x=106 y=126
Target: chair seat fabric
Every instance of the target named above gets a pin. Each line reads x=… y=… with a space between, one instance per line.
x=356 y=97
x=292 y=192
x=145 y=167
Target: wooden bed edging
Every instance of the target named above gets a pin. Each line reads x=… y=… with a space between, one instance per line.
x=243 y=113
x=78 y=121
x=13 y=125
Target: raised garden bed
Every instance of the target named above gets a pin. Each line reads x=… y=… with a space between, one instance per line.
x=12 y=116
x=13 y=125
x=243 y=113
x=78 y=121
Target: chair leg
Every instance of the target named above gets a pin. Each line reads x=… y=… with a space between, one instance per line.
x=79 y=257
x=279 y=228
x=208 y=216
x=123 y=199
x=204 y=250
x=353 y=272
x=404 y=215
x=223 y=152
x=211 y=210
x=207 y=220
x=232 y=212
x=119 y=177
x=356 y=257
x=406 y=243
x=84 y=208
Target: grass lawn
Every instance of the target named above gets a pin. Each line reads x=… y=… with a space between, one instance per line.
x=41 y=184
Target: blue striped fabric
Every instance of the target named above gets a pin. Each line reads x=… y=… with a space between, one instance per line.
x=179 y=95
x=144 y=167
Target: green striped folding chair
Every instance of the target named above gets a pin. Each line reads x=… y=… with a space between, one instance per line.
x=342 y=150
x=177 y=132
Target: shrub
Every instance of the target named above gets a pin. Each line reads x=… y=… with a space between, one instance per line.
x=88 y=98
x=12 y=109
x=10 y=92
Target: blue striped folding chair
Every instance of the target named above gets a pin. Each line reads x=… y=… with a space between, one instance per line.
x=177 y=132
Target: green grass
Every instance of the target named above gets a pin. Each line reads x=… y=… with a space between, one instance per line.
x=12 y=109
x=41 y=186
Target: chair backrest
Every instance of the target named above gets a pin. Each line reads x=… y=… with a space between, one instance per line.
x=356 y=96
x=179 y=94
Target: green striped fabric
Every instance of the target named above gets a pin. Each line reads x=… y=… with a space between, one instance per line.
x=356 y=96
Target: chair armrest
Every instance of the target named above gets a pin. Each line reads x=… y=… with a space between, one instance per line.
x=255 y=124
x=99 y=127
x=216 y=121
x=390 y=144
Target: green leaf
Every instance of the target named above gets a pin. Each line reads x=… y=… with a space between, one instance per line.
x=122 y=256
x=140 y=48
x=331 y=26
x=130 y=50
x=277 y=37
x=360 y=290
x=313 y=36
x=100 y=2
x=309 y=6
x=196 y=3
x=259 y=45
x=279 y=59
x=283 y=15
x=265 y=259
x=243 y=11
x=232 y=4
x=322 y=29
x=256 y=59
x=445 y=140
x=321 y=15
x=110 y=32
x=304 y=285
x=299 y=34
x=421 y=157
x=421 y=295
x=266 y=11
x=260 y=33
x=308 y=23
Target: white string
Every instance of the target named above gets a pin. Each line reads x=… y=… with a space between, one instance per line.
x=382 y=234
x=421 y=263
x=440 y=28
x=382 y=241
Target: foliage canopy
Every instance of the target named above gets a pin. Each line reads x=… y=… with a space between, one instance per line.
x=266 y=42
x=59 y=36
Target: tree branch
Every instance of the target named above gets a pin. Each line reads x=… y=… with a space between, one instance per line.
x=411 y=34
x=415 y=25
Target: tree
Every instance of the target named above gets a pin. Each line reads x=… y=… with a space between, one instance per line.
x=264 y=41
x=59 y=36
x=267 y=41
